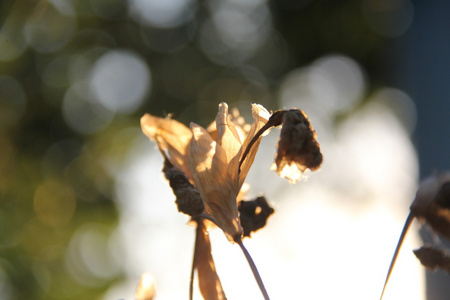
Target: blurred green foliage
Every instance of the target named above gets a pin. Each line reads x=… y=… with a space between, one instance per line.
x=55 y=178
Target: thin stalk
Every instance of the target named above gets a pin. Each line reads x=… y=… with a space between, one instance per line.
x=253 y=268
x=407 y=225
x=194 y=263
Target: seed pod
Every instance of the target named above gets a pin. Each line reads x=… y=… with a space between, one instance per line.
x=188 y=198
x=298 y=149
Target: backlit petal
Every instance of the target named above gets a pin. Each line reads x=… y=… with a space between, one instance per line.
x=229 y=139
x=210 y=171
x=260 y=117
x=173 y=139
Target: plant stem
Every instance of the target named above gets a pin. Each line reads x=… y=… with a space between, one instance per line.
x=194 y=263
x=253 y=268
x=408 y=223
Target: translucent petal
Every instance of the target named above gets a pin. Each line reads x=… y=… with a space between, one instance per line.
x=210 y=170
x=173 y=139
x=260 y=118
x=229 y=139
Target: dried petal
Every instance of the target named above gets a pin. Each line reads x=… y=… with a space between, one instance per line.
x=229 y=139
x=433 y=258
x=208 y=280
x=210 y=171
x=431 y=204
x=298 y=149
x=173 y=139
x=251 y=144
x=254 y=214
x=146 y=288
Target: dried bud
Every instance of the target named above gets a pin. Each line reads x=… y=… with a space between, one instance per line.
x=298 y=149
x=432 y=202
x=432 y=258
x=146 y=288
x=254 y=214
x=188 y=198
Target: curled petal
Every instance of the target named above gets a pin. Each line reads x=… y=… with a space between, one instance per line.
x=173 y=139
x=229 y=139
x=210 y=171
x=260 y=117
x=146 y=288
x=208 y=280
x=212 y=130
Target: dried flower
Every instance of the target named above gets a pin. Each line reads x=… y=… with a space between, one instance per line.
x=211 y=165
x=432 y=203
x=431 y=206
x=298 y=149
x=206 y=169
x=433 y=258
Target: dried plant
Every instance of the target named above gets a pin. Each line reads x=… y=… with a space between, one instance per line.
x=431 y=206
x=206 y=169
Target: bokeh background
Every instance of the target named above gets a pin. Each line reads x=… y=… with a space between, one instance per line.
x=84 y=210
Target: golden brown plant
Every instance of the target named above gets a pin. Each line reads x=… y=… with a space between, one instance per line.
x=206 y=169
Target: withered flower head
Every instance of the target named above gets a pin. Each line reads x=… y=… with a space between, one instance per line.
x=298 y=149
x=432 y=203
x=210 y=158
x=433 y=258
x=431 y=206
x=216 y=160
x=206 y=169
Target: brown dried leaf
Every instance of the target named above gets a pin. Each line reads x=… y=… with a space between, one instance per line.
x=188 y=198
x=209 y=282
x=432 y=258
x=254 y=214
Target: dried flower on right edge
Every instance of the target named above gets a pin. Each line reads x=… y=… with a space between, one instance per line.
x=431 y=207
